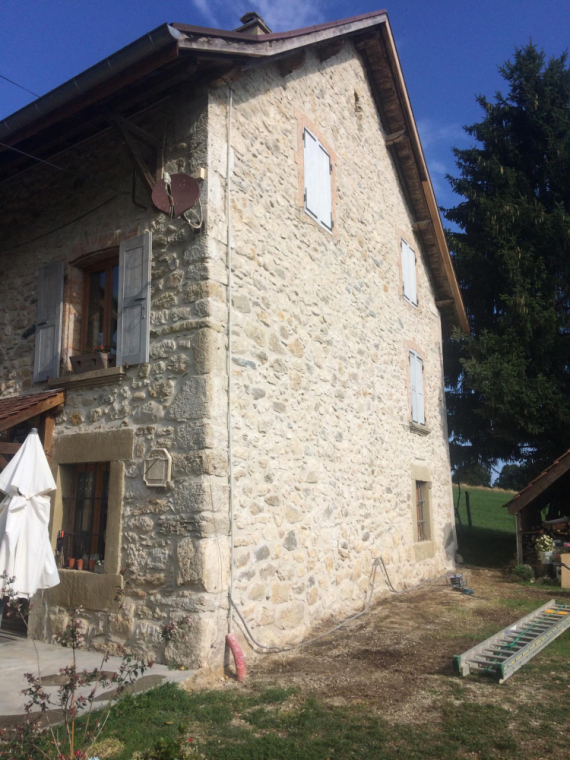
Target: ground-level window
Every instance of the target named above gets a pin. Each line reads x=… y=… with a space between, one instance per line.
x=85 y=513
x=421 y=510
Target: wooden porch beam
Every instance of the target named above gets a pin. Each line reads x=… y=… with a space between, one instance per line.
x=421 y=225
x=9 y=448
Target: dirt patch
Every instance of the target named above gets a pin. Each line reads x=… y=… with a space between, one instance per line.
x=398 y=658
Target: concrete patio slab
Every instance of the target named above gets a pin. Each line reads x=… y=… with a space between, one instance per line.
x=18 y=656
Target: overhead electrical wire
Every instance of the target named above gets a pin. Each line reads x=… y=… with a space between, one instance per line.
x=35 y=94
x=79 y=175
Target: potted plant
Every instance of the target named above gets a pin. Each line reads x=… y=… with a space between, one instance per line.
x=545 y=548
x=95 y=357
x=99 y=566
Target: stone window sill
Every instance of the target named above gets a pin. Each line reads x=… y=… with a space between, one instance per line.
x=92 y=591
x=108 y=376
x=419 y=429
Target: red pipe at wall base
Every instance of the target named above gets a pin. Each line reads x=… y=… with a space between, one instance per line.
x=239 y=659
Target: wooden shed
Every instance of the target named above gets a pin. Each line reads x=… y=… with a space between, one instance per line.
x=543 y=506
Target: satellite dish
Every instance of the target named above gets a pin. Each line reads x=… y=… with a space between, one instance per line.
x=175 y=194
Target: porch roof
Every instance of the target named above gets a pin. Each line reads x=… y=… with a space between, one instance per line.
x=16 y=409
x=540 y=484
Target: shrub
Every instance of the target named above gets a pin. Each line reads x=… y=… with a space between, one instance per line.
x=524 y=572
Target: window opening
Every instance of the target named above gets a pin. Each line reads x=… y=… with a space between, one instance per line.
x=100 y=306
x=420 y=510
x=86 y=512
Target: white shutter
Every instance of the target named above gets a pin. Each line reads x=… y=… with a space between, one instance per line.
x=134 y=300
x=318 y=186
x=325 y=206
x=405 y=267
x=413 y=386
x=409 y=273
x=48 y=322
x=420 y=390
x=311 y=172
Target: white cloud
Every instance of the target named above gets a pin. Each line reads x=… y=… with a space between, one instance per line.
x=205 y=8
x=283 y=15
x=433 y=133
x=280 y=15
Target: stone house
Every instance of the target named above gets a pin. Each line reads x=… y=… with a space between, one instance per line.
x=314 y=266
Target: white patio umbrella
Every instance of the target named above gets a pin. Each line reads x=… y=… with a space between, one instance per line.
x=25 y=549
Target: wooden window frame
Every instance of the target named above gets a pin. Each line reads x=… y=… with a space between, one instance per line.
x=99 y=468
x=105 y=265
x=422 y=507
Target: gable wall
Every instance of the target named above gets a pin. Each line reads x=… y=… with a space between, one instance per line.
x=324 y=459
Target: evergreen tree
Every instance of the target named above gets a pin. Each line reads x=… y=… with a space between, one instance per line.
x=509 y=381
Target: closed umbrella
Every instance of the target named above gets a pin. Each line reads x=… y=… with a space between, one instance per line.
x=25 y=549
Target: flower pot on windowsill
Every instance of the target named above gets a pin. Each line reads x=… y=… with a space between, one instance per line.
x=88 y=362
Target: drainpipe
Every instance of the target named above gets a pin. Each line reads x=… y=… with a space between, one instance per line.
x=229 y=357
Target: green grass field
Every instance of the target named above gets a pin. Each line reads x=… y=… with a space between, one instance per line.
x=491 y=540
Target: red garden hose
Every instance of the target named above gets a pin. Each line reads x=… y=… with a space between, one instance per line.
x=239 y=659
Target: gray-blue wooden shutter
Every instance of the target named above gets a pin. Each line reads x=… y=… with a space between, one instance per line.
x=48 y=321
x=133 y=331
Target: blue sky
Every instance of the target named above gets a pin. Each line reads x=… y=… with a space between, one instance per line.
x=450 y=49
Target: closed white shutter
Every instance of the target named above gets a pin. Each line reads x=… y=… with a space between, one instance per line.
x=133 y=331
x=48 y=322
x=325 y=209
x=318 y=186
x=420 y=390
x=413 y=386
x=311 y=172
x=409 y=273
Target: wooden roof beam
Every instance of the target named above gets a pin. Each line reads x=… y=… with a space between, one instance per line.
x=329 y=50
x=293 y=62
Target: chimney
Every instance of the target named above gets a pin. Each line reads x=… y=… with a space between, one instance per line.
x=252 y=23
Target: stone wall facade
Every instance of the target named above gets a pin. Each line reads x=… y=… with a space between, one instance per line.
x=324 y=455
x=174 y=542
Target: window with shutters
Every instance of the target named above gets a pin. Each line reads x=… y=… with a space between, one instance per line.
x=409 y=278
x=317 y=171
x=417 y=387
x=101 y=299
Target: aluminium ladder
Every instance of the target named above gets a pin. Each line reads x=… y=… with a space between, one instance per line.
x=505 y=652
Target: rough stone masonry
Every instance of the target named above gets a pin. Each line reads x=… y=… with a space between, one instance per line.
x=324 y=454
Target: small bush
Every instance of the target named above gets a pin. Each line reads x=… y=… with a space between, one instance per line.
x=524 y=572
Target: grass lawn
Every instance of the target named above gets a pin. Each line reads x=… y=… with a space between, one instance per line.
x=491 y=540
x=381 y=689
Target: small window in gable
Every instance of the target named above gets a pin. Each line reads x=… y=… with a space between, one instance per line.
x=417 y=388
x=409 y=273
x=318 y=186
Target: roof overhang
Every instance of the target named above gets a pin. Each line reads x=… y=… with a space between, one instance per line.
x=537 y=487
x=216 y=54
